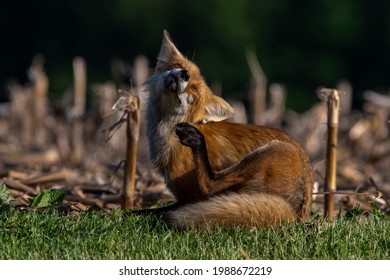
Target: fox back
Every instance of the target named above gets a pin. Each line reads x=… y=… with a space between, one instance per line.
x=178 y=93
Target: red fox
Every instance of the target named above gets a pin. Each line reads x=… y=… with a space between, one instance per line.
x=251 y=175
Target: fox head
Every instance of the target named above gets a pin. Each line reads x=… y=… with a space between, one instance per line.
x=178 y=91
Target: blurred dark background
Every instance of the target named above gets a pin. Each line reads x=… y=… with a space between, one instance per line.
x=300 y=44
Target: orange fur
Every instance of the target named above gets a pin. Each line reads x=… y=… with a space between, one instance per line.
x=277 y=174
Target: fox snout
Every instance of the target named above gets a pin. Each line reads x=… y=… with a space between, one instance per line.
x=177 y=80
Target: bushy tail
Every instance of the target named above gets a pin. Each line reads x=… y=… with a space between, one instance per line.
x=234 y=209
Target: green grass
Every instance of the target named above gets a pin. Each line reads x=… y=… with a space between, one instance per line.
x=97 y=235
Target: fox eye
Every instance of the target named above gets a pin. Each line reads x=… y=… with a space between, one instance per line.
x=185 y=75
x=177 y=66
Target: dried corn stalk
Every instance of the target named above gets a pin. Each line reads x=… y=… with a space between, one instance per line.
x=130 y=105
x=332 y=98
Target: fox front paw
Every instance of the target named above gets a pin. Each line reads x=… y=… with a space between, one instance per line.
x=188 y=135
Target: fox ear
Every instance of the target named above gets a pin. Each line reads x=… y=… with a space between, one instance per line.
x=168 y=51
x=217 y=110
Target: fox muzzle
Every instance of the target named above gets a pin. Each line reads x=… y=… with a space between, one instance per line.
x=176 y=80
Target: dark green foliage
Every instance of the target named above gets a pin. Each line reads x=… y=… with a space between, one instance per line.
x=5 y=196
x=376 y=214
x=48 y=198
x=357 y=211
x=302 y=45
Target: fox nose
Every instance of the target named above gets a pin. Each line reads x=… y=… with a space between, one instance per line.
x=184 y=75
